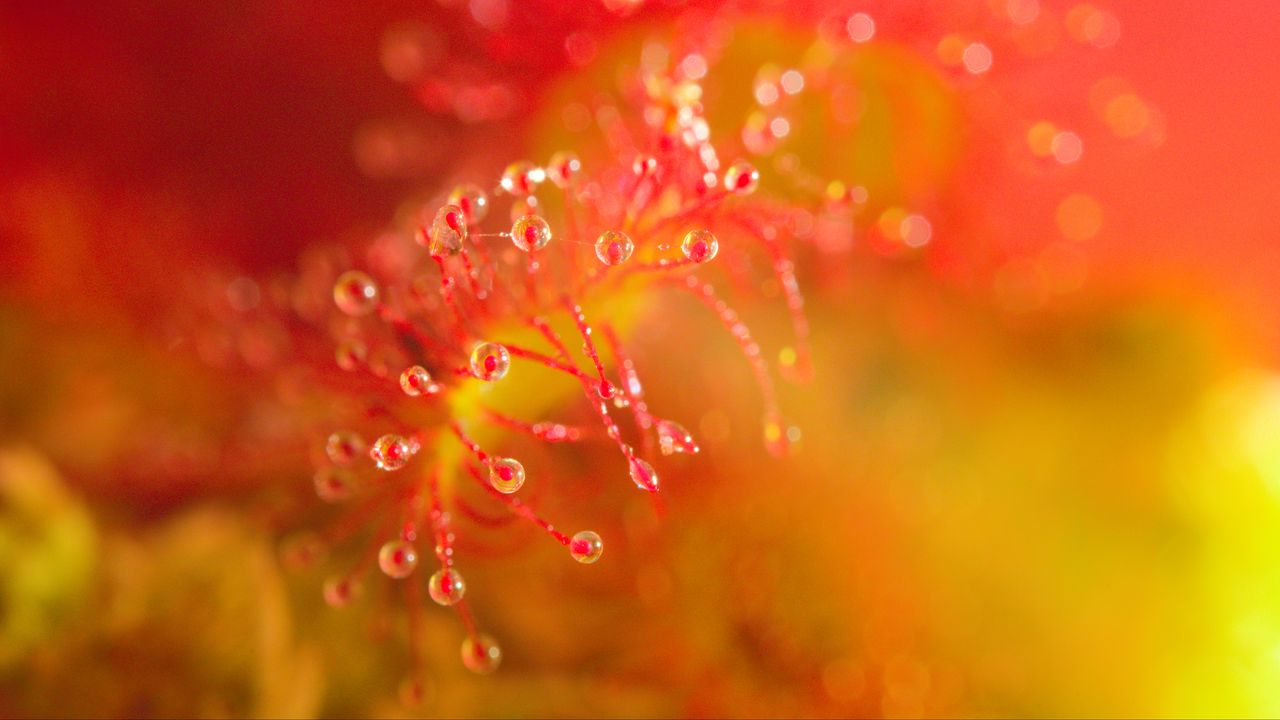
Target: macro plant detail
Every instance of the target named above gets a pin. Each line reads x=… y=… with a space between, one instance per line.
x=543 y=270
x=461 y=308
x=451 y=359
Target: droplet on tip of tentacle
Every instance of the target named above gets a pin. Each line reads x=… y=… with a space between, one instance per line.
x=700 y=246
x=674 y=438
x=392 y=452
x=344 y=446
x=473 y=202
x=397 y=558
x=355 y=293
x=490 y=361
x=522 y=178
x=530 y=232
x=446 y=586
x=339 y=591
x=481 y=654
x=448 y=232
x=643 y=475
x=586 y=547
x=562 y=168
x=614 y=247
x=334 y=484
x=415 y=381
x=506 y=475
x=741 y=178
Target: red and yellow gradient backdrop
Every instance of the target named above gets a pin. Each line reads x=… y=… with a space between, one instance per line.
x=1064 y=507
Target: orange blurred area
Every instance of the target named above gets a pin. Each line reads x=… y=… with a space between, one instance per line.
x=1036 y=471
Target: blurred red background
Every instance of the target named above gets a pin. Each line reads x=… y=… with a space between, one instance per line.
x=141 y=142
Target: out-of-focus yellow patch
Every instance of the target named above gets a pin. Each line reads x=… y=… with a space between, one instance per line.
x=47 y=552
x=873 y=114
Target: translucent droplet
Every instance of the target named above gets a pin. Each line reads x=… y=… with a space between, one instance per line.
x=741 y=178
x=392 y=452
x=614 y=247
x=448 y=232
x=355 y=293
x=562 y=168
x=344 y=446
x=398 y=558
x=334 y=484
x=481 y=654
x=446 y=586
x=643 y=475
x=674 y=438
x=350 y=354
x=530 y=232
x=472 y=200
x=522 y=178
x=700 y=245
x=490 y=361
x=506 y=475
x=586 y=546
x=340 y=590
x=415 y=381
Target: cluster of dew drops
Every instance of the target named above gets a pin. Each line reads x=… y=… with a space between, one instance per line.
x=476 y=285
x=659 y=220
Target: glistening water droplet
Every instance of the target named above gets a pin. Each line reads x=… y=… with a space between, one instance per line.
x=506 y=475
x=700 y=246
x=586 y=546
x=415 y=381
x=481 y=654
x=614 y=247
x=398 y=558
x=355 y=293
x=674 y=438
x=448 y=232
x=522 y=178
x=562 y=168
x=446 y=586
x=741 y=178
x=490 y=361
x=392 y=452
x=530 y=232
x=643 y=475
